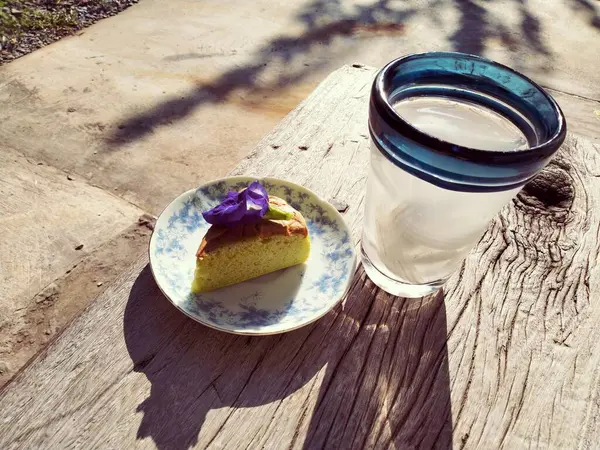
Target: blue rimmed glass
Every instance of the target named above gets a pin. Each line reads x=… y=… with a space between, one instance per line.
x=430 y=200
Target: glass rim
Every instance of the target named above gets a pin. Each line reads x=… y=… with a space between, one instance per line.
x=542 y=150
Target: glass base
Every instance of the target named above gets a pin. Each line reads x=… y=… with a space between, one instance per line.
x=397 y=287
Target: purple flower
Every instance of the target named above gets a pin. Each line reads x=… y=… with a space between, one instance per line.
x=247 y=206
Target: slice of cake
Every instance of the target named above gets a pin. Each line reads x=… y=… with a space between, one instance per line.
x=234 y=252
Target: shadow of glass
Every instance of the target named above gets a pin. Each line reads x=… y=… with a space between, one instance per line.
x=398 y=396
x=385 y=385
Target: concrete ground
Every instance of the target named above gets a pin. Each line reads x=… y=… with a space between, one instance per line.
x=101 y=128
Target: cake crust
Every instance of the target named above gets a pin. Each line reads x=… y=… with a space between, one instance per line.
x=219 y=236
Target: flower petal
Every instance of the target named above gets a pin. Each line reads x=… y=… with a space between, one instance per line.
x=257 y=200
x=247 y=206
x=229 y=211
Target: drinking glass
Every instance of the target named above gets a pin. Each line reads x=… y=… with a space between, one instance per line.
x=453 y=138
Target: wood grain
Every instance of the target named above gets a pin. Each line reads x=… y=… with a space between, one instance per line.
x=525 y=373
x=581 y=113
x=505 y=357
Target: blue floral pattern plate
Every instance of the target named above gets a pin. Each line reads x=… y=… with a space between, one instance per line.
x=274 y=303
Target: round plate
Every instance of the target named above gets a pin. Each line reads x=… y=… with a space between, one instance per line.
x=274 y=303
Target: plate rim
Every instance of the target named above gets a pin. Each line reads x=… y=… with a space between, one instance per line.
x=240 y=178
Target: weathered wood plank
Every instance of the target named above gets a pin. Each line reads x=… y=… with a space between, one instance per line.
x=506 y=357
x=582 y=114
x=526 y=370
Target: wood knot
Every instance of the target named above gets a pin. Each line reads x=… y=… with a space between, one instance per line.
x=551 y=191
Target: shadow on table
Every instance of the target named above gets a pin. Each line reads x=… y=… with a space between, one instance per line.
x=385 y=382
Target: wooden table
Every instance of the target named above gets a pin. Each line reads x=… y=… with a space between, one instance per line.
x=507 y=356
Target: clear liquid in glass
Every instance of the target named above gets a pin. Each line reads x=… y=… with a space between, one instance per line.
x=462 y=122
x=417 y=232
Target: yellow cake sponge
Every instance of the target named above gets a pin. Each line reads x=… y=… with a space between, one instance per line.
x=232 y=254
x=248 y=259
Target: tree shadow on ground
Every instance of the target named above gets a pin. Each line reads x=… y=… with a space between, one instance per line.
x=280 y=63
x=325 y=21
x=586 y=7
x=477 y=25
